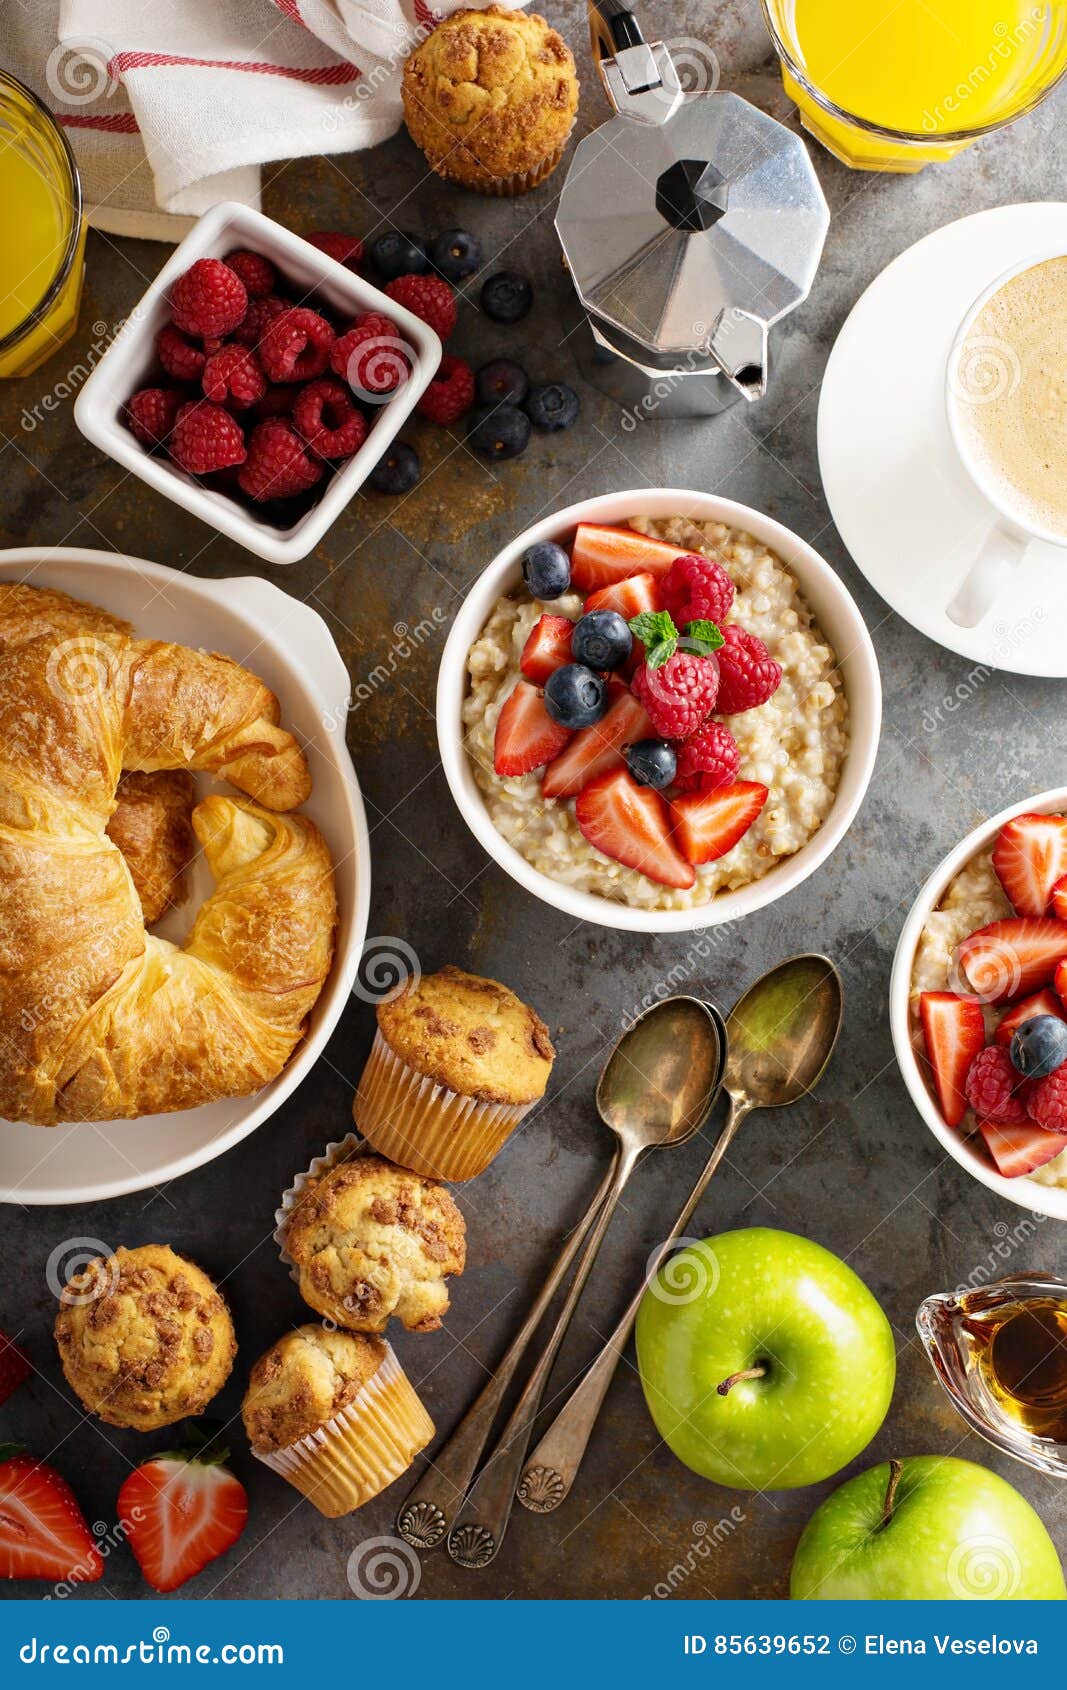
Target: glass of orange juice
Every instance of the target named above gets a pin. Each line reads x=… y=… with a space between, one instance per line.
x=896 y=84
x=42 y=232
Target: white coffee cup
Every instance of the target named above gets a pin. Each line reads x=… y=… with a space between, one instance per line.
x=1011 y=534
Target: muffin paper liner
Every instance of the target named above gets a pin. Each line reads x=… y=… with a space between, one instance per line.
x=508 y=187
x=367 y=1445
x=341 y=1150
x=425 y=1126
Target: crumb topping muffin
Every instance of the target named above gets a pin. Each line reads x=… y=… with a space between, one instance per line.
x=470 y=1034
x=371 y=1240
x=490 y=97
x=303 y=1381
x=144 y=1337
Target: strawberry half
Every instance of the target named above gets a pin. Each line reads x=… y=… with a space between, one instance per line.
x=15 y=1367
x=1042 y=1003
x=182 y=1510
x=629 y=823
x=1029 y=857
x=602 y=555
x=43 y=1534
x=708 y=824
x=1018 y=1150
x=1059 y=899
x=547 y=649
x=630 y=598
x=954 y=1031
x=526 y=736
x=1012 y=957
x=597 y=750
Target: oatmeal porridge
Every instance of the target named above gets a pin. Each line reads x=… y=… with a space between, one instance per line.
x=794 y=744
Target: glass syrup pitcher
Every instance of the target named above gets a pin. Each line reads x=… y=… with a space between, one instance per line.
x=1001 y=1355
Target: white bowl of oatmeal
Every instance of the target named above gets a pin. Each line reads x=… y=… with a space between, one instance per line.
x=961 y=896
x=812 y=744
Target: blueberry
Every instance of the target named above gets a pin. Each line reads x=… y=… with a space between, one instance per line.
x=546 y=569
x=602 y=640
x=575 y=697
x=398 y=253
x=499 y=431
x=652 y=762
x=501 y=382
x=1039 y=1046
x=455 y=255
x=506 y=297
x=398 y=471
x=552 y=405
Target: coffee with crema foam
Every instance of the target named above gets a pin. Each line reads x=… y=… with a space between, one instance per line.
x=1010 y=394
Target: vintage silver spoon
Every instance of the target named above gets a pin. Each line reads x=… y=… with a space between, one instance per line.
x=780 y=1036
x=656 y=1088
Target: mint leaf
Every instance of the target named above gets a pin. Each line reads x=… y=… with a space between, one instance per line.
x=703 y=638
x=653 y=628
x=657 y=655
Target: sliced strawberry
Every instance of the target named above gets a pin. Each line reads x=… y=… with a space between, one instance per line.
x=43 y=1534
x=1042 y=1003
x=1013 y=957
x=601 y=555
x=1029 y=857
x=1020 y=1149
x=183 y=1511
x=954 y=1031
x=630 y=824
x=15 y=1367
x=547 y=649
x=708 y=824
x=597 y=750
x=1059 y=899
x=526 y=736
x=630 y=597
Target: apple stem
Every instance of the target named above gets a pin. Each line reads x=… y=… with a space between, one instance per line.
x=727 y=1385
x=895 y=1470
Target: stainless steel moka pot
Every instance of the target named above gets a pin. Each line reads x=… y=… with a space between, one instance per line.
x=690 y=223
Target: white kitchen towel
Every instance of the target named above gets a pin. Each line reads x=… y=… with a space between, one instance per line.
x=172 y=105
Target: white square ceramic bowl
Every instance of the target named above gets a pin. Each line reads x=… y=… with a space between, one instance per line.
x=131 y=359
x=1028 y=1193
x=290 y=647
x=834 y=609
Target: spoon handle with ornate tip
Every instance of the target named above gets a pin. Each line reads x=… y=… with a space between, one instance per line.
x=553 y=1467
x=483 y=1519
x=429 y=1511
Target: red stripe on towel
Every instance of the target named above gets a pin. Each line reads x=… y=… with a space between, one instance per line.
x=323 y=75
x=118 y=123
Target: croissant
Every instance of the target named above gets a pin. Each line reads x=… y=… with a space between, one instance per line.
x=152 y=826
x=102 y=1020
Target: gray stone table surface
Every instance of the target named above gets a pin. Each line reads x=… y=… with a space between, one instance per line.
x=853 y=1167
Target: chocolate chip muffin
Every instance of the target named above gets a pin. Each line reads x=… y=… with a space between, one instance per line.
x=371 y=1240
x=491 y=96
x=457 y=1062
x=334 y=1413
x=144 y=1337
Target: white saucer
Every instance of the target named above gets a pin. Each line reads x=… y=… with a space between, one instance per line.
x=901 y=500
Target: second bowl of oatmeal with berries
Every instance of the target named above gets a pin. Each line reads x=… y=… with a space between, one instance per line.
x=658 y=710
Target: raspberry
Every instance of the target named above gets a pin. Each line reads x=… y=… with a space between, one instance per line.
x=180 y=358
x=748 y=673
x=151 y=414
x=679 y=695
x=1047 y=1100
x=205 y=437
x=325 y=415
x=249 y=331
x=429 y=298
x=450 y=394
x=210 y=299
x=991 y=1087
x=708 y=758
x=697 y=589
x=345 y=249
x=296 y=345
x=233 y=374
x=278 y=464
x=256 y=272
x=372 y=356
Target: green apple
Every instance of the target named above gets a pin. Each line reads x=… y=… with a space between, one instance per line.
x=766 y=1362
x=929 y=1526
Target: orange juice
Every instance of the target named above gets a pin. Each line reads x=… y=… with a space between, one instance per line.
x=42 y=235
x=929 y=74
